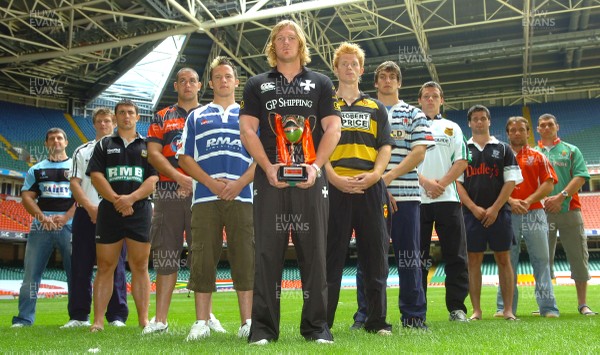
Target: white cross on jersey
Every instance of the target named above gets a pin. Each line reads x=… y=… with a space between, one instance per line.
x=307 y=85
x=325 y=192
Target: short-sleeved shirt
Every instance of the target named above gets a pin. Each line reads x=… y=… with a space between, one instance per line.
x=212 y=137
x=81 y=159
x=491 y=166
x=450 y=147
x=166 y=129
x=536 y=169
x=409 y=129
x=308 y=94
x=50 y=181
x=567 y=161
x=125 y=166
x=365 y=129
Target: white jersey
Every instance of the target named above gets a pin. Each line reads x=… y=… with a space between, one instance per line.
x=81 y=158
x=450 y=146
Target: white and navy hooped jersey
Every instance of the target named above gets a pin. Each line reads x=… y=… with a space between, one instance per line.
x=409 y=129
x=211 y=136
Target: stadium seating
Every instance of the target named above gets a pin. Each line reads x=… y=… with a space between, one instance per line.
x=14 y=217
x=575 y=118
x=590 y=208
x=8 y=162
x=28 y=126
x=86 y=126
x=142 y=127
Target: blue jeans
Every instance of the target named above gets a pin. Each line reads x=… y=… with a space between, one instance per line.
x=40 y=244
x=534 y=229
x=406 y=240
x=361 y=298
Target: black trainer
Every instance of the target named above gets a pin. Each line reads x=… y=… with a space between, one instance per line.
x=357 y=325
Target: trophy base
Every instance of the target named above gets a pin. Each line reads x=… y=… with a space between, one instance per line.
x=295 y=173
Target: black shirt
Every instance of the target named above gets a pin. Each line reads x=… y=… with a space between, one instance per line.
x=487 y=172
x=125 y=167
x=309 y=93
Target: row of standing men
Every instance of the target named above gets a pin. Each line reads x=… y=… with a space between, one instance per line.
x=214 y=170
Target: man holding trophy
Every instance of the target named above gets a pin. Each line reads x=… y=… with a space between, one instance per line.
x=297 y=114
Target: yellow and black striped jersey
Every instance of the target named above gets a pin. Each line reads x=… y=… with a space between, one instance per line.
x=365 y=129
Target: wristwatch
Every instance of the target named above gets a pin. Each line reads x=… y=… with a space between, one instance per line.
x=317 y=169
x=564 y=193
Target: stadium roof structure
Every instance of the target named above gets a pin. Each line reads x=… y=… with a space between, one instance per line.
x=496 y=52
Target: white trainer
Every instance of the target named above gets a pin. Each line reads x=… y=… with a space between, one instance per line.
x=73 y=323
x=244 y=331
x=260 y=342
x=117 y=323
x=323 y=341
x=155 y=327
x=215 y=325
x=384 y=332
x=199 y=330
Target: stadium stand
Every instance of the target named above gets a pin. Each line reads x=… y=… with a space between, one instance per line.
x=142 y=127
x=590 y=208
x=9 y=162
x=29 y=133
x=86 y=126
x=575 y=119
x=14 y=217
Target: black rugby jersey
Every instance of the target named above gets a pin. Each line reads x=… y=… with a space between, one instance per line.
x=488 y=170
x=125 y=168
x=309 y=93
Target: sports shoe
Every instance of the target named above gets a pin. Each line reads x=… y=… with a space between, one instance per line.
x=76 y=323
x=324 y=341
x=458 y=316
x=551 y=315
x=117 y=323
x=358 y=325
x=260 y=342
x=155 y=327
x=199 y=330
x=215 y=325
x=384 y=332
x=500 y=314
x=17 y=325
x=244 y=330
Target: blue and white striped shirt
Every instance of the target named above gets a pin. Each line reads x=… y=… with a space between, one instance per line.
x=410 y=128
